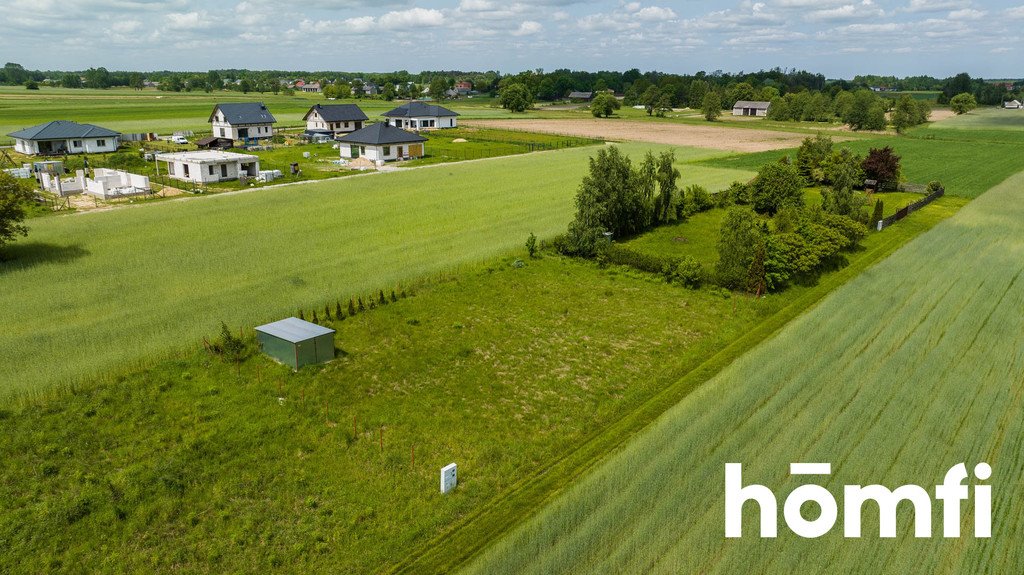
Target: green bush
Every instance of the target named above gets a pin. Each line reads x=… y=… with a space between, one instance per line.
x=934 y=186
x=700 y=199
x=686 y=272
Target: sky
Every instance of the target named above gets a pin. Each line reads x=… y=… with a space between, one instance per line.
x=838 y=38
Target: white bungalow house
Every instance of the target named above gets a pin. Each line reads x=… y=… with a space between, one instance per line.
x=380 y=143
x=421 y=116
x=747 y=108
x=65 y=137
x=208 y=166
x=334 y=119
x=247 y=121
x=1013 y=105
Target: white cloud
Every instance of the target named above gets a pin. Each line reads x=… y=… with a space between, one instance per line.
x=188 y=21
x=967 y=14
x=1017 y=13
x=936 y=5
x=655 y=14
x=358 y=25
x=411 y=19
x=528 y=28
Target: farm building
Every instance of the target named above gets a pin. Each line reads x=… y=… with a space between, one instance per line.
x=1013 y=105
x=334 y=119
x=295 y=342
x=247 y=121
x=209 y=166
x=420 y=116
x=214 y=143
x=313 y=88
x=581 y=96
x=65 y=137
x=380 y=143
x=747 y=108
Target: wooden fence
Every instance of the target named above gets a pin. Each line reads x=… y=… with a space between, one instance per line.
x=911 y=208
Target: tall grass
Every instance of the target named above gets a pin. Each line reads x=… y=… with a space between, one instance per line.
x=910 y=368
x=88 y=293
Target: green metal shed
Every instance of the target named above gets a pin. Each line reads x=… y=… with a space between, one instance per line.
x=296 y=342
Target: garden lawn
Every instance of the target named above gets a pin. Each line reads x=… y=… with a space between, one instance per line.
x=103 y=291
x=905 y=371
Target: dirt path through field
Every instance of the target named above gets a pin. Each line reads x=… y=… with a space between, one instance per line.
x=710 y=136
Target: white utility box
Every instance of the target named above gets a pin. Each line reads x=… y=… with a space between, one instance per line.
x=449 y=478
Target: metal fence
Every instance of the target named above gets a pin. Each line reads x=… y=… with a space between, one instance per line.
x=911 y=208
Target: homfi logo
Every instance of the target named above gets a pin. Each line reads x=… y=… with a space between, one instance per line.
x=950 y=492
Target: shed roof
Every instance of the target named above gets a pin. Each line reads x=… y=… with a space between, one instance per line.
x=581 y=95
x=239 y=113
x=62 y=130
x=751 y=104
x=294 y=330
x=338 y=113
x=381 y=134
x=419 y=110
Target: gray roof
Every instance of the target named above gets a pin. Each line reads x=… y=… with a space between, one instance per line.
x=62 y=130
x=581 y=95
x=338 y=113
x=242 y=113
x=419 y=110
x=750 y=104
x=294 y=330
x=381 y=134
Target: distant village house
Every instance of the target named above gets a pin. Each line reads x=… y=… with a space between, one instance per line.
x=247 y=121
x=381 y=143
x=421 y=116
x=65 y=137
x=334 y=119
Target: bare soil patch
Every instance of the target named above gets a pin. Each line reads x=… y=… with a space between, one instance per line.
x=710 y=136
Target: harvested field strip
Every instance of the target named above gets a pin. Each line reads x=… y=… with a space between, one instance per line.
x=700 y=136
x=890 y=394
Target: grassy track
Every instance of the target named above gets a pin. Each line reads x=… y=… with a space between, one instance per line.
x=105 y=289
x=908 y=369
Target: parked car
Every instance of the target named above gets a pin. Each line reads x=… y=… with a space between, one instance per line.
x=179 y=139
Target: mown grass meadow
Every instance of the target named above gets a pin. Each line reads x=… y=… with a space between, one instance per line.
x=905 y=371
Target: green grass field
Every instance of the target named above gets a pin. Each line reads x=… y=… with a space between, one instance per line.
x=127 y=110
x=984 y=119
x=966 y=167
x=203 y=466
x=102 y=291
x=907 y=370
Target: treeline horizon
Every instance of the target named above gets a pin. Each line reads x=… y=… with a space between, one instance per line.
x=553 y=85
